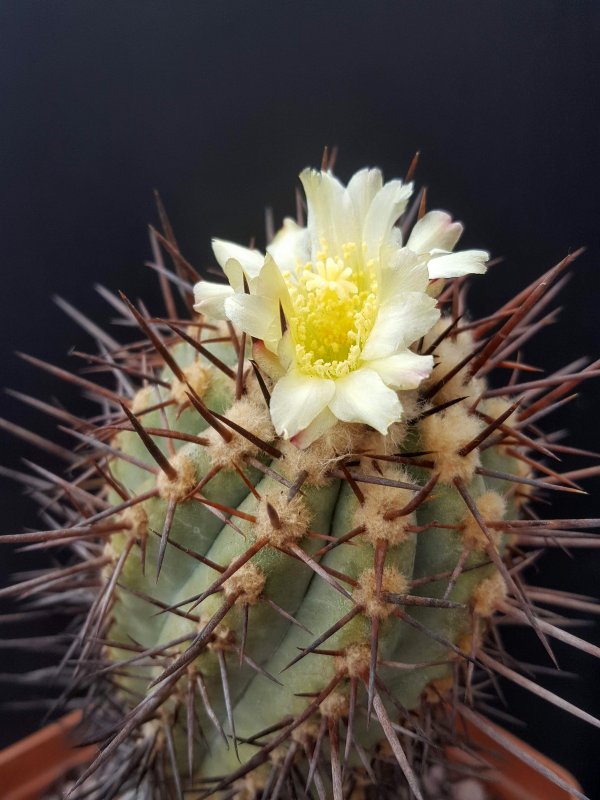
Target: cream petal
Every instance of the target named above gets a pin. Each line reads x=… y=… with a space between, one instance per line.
x=257 y=316
x=387 y=205
x=435 y=230
x=404 y=271
x=330 y=212
x=267 y=361
x=235 y=274
x=403 y=370
x=362 y=188
x=209 y=299
x=286 y=350
x=290 y=246
x=250 y=260
x=399 y=322
x=320 y=425
x=363 y=397
x=270 y=283
x=395 y=238
x=454 y=265
x=297 y=400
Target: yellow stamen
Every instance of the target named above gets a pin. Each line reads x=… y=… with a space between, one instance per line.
x=335 y=303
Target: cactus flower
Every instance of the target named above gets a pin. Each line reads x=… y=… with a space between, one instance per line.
x=251 y=610
x=339 y=303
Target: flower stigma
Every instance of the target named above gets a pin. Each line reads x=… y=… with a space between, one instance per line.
x=335 y=301
x=334 y=307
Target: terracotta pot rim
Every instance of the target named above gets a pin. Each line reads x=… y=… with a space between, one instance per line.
x=34 y=764
x=54 y=754
x=510 y=777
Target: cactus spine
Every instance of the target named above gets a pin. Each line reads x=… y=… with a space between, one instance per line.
x=266 y=611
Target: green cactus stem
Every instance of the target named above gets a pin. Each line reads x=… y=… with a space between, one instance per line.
x=267 y=621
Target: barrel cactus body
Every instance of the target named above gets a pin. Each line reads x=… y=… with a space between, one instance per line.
x=257 y=551
x=296 y=594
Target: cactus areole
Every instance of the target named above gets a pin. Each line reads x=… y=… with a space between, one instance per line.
x=303 y=510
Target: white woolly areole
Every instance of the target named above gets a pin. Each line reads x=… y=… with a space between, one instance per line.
x=251 y=785
x=437 y=690
x=278 y=754
x=448 y=353
x=251 y=415
x=184 y=481
x=492 y=507
x=444 y=434
x=365 y=593
x=279 y=521
x=411 y=405
x=380 y=501
x=494 y=407
x=252 y=389
x=489 y=595
x=222 y=638
x=356 y=660
x=246 y=584
x=375 y=443
x=322 y=455
x=335 y=706
x=526 y=491
x=197 y=377
x=143 y=399
x=137 y=519
x=306 y=733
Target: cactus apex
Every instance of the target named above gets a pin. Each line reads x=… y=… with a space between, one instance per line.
x=340 y=516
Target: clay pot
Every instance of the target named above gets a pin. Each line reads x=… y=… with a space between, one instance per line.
x=510 y=778
x=34 y=765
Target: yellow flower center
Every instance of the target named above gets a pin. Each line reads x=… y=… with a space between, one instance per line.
x=335 y=302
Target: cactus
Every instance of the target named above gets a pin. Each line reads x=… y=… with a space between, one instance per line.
x=288 y=583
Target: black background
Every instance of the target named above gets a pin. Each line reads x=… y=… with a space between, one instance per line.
x=219 y=105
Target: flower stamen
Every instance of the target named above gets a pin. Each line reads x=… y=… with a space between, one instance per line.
x=335 y=303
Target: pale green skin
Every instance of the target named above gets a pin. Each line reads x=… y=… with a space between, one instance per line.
x=272 y=641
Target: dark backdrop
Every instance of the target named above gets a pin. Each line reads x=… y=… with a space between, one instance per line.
x=219 y=105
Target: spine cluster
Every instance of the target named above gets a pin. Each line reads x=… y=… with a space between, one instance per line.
x=264 y=621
